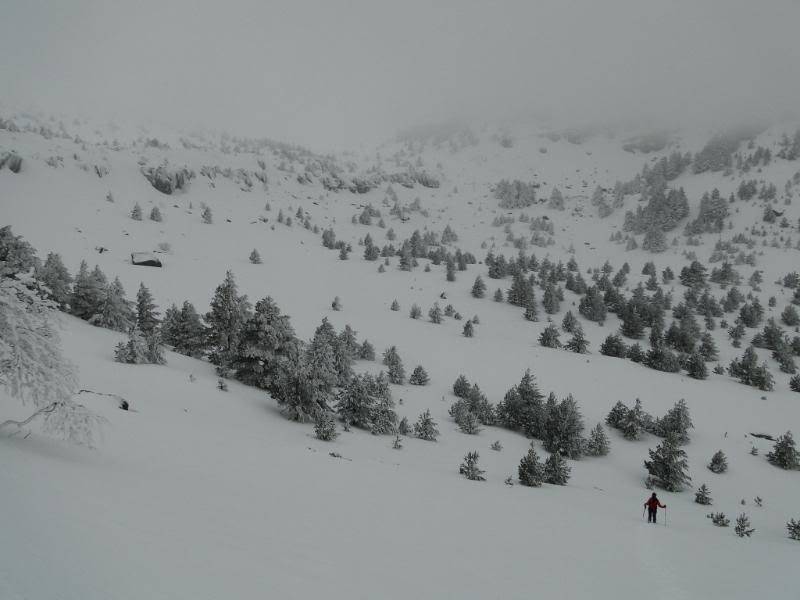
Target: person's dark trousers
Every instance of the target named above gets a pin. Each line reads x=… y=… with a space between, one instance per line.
x=651 y=515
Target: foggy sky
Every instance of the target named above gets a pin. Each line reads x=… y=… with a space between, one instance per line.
x=332 y=74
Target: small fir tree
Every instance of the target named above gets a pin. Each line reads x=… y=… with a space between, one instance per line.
x=783 y=453
x=469 y=468
x=155 y=215
x=255 y=257
x=391 y=358
x=207 y=217
x=425 y=427
x=549 y=337
x=703 y=495
x=598 y=443
x=325 y=427
x=478 y=288
x=435 y=313
x=719 y=463
x=419 y=376
x=578 y=342
x=742 y=527
x=668 y=467
x=415 y=312
x=136 y=213
x=531 y=470
x=395 y=305
x=146 y=314
x=556 y=470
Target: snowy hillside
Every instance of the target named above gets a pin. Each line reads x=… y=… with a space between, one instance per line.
x=198 y=492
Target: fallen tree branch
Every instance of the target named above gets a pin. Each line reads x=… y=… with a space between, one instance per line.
x=42 y=411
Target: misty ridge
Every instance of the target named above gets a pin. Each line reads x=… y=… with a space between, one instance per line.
x=331 y=78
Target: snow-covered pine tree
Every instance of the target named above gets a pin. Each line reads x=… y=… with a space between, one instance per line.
x=207 y=216
x=403 y=428
x=395 y=305
x=549 y=337
x=32 y=366
x=783 y=453
x=563 y=427
x=522 y=408
x=469 y=330
x=419 y=376
x=415 y=311
x=155 y=215
x=793 y=528
x=668 y=466
x=469 y=468
x=617 y=415
x=578 y=342
x=57 y=280
x=613 y=346
x=531 y=469
x=569 y=322
x=696 y=366
x=703 y=495
x=632 y=424
x=184 y=331
x=391 y=358
x=467 y=422
x=425 y=427
x=336 y=304
x=267 y=345
x=146 y=314
x=677 y=421
x=366 y=351
x=115 y=311
x=435 y=313
x=742 y=527
x=719 y=519
x=598 y=443
x=556 y=470
x=478 y=288
x=88 y=292
x=136 y=213
x=229 y=312
x=255 y=257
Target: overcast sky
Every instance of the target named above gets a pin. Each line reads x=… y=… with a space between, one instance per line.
x=330 y=73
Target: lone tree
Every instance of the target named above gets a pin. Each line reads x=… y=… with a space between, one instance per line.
x=783 y=453
x=667 y=466
x=719 y=462
x=703 y=495
x=255 y=257
x=391 y=358
x=742 y=527
x=207 y=217
x=531 y=469
x=425 y=427
x=469 y=468
x=478 y=288
x=136 y=213
x=419 y=376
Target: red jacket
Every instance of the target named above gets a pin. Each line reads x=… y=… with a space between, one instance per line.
x=652 y=503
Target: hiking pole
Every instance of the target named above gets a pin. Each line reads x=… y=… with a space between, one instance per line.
x=643 y=509
x=665 y=516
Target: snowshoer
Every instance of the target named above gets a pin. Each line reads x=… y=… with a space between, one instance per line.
x=652 y=505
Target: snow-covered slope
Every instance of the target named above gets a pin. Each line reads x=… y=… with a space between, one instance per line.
x=200 y=493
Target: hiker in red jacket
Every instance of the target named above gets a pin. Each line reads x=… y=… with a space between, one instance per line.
x=652 y=505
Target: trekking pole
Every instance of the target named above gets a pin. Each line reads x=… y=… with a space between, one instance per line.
x=643 y=509
x=665 y=516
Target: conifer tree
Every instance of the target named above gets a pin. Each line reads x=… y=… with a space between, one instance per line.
x=569 y=322
x=550 y=300
x=461 y=387
x=207 y=216
x=391 y=358
x=677 y=421
x=784 y=454
x=184 y=331
x=742 y=527
x=469 y=330
x=415 y=311
x=549 y=337
x=522 y=408
x=632 y=324
x=668 y=466
x=719 y=463
x=266 y=346
x=155 y=215
x=229 y=312
x=419 y=376
x=88 y=293
x=578 y=342
x=556 y=470
x=403 y=428
x=435 y=313
x=478 y=288
x=498 y=295
x=632 y=423
x=563 y=428
x=793 y=527
x=469 y=468
x=617 y=415
x=115 y=310
x=55 y=276
x=366 y=351
x=146 y=314
x=794 y=383
x=613 y=346
x=255 y=257
x=395 y=305
x=531 y=470
x=598 y=443
x=336 y=304
x=136 y=213
x=425 y=427
x=531 y=314
x=703 y=495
